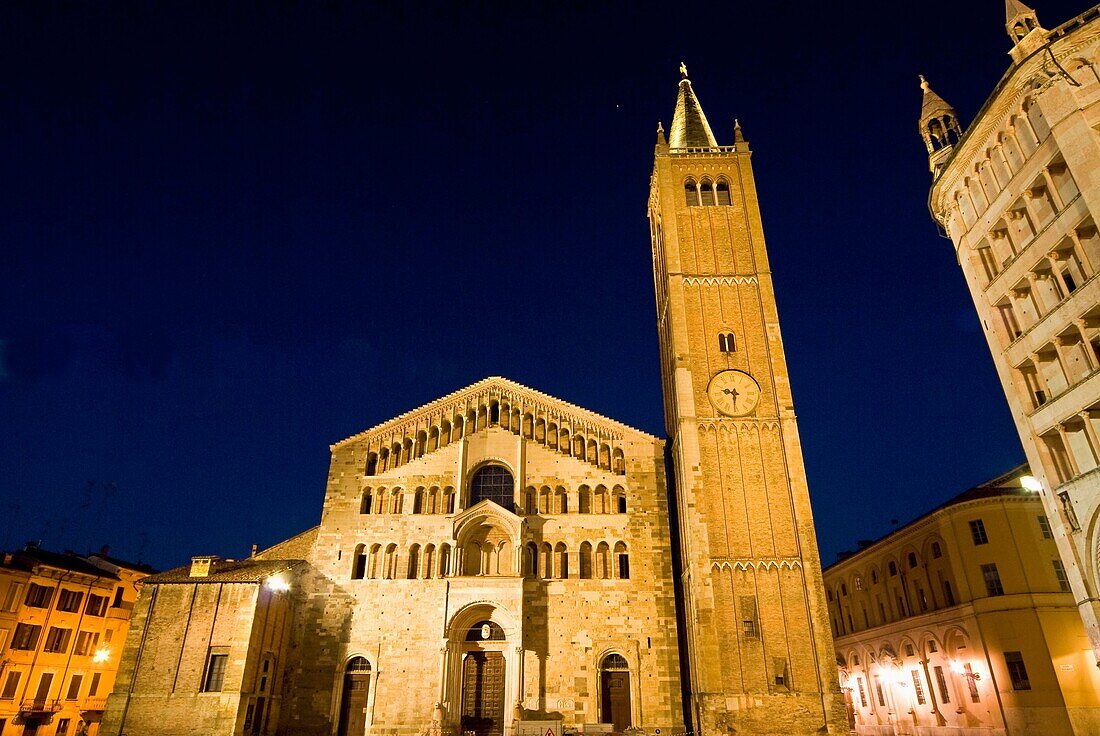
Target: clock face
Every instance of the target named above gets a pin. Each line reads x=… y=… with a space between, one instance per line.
x=734 y=393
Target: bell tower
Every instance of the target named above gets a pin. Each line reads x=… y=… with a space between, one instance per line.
x=760 y=654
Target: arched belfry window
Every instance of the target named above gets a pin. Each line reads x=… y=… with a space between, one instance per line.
x=706 y=193
x=493 y=483
x=722 y=190
x=727 y=343
x=691 y=193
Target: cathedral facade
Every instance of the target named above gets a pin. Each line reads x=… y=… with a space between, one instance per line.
x=500 y=561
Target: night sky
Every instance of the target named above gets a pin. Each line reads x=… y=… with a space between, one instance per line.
x=230 y=236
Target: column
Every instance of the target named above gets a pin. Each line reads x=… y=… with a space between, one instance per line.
x=1039 y=377
x=1090 y=434
x=1063 y=362
x=1053 y=257
x=1080 y=250
x=1071 y=461
x=1033 y=284
x=1089 y=349
x=1055 y=195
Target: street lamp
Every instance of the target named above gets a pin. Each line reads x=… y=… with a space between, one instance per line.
x=1031 y=483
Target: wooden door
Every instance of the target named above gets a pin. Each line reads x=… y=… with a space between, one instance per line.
x=615 y=699
x=353 y=705
x=483 y=693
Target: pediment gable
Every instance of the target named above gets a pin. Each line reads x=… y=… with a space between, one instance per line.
x=488 y=512
x=475 y=402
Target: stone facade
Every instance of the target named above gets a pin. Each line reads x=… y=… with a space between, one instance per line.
x=962 y=621
x=1018 y=193
x=500 y=558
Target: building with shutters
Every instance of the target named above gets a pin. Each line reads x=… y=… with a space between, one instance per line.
x=963 y=621
x=63 y=620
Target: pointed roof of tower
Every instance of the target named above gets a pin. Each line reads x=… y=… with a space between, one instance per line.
x=689 y=128
x=1014 y=9
x=933 y=105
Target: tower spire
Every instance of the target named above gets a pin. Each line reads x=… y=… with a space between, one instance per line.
x=939 y=126
x=689 y=128
x=1020 y=21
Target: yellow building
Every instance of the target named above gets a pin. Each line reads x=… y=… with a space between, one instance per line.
x=63 y=621
x=962 y=622
x=1018 y=192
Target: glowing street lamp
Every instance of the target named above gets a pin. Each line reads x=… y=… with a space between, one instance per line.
x=960 y=669
x=1031 y=483
x=278 y=584
x=101 y=655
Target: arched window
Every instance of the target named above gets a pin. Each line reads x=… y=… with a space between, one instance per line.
x=365 y=504
x=547 y=560
x=444 y=560
x=529 y=504
x=603 y=561
x=418 y=501
x=372 y=563
x=561 y=500
x=912 y=560
x=359 y=563
x=449 y=500
x=618 y=462
x=893 y=568
x=618 y=496
x=586 y=561
x=544 y=500
x=493 y=483
x=622 y=561
x=429 y=561
x=706 y=193
x=727 y=343
x=372 y=463
x=414 y=562
x=691 y=193
x=397 y=496
x=531 y=561
x=562 y=553
x=584 y=500
x=723 y=191
x=380 y=505
x=389 y=567
x=936 y=551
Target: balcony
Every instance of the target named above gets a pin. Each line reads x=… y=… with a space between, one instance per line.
x=39 y=705
x=120 y=612
x=93 y=705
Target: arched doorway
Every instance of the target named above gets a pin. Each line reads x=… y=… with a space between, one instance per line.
x=483 y=680
x=353 y=700
x=615 y=692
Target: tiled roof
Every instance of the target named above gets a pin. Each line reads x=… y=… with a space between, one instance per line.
x=31 y=557
x=239 y=571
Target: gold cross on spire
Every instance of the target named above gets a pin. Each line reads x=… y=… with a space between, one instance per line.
x=683 y=70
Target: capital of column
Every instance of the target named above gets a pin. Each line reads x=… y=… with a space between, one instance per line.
x=1055 y=256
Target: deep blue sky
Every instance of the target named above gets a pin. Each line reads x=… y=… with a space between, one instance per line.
x=229 y=237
